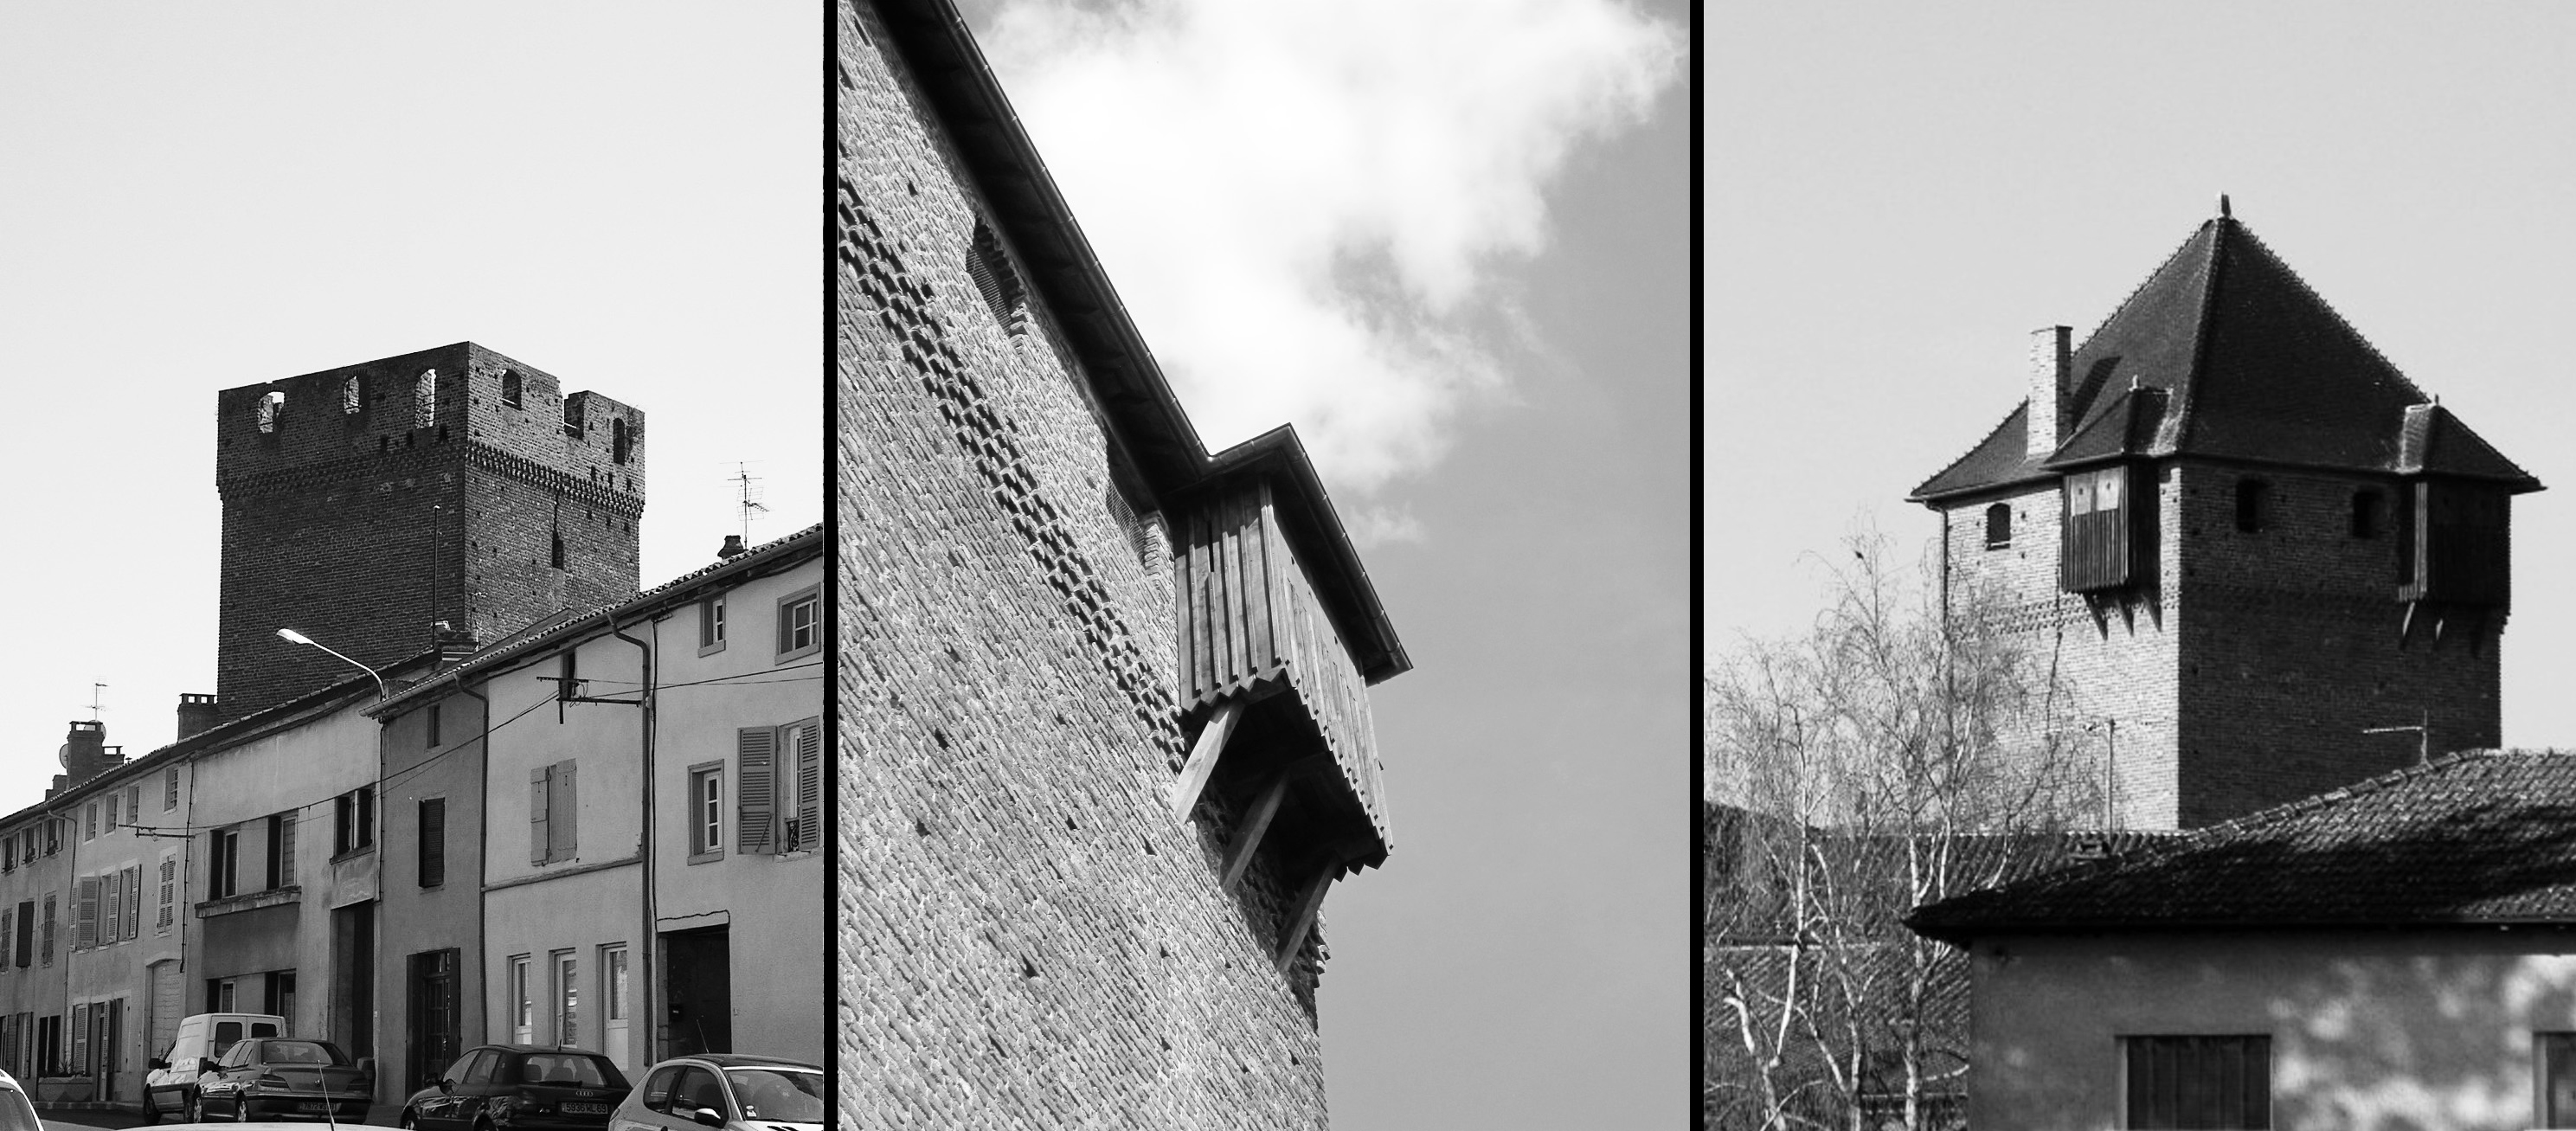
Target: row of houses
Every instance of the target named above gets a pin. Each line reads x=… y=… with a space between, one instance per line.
x=546 y=840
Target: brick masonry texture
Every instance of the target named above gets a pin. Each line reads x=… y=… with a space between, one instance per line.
x=362 y=528
x=2242 y=674
x=1027 y=937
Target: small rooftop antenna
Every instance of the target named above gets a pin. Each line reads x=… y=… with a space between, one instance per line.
x=94 y=705
x=2223 y=212
x=747 y=492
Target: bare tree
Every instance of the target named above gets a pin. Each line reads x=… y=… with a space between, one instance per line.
x=1897 y=753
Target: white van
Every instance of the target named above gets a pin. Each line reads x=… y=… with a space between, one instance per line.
x=170 y=1088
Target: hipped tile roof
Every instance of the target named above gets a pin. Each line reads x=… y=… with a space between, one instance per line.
x=2243 y=362
x=2484 y=837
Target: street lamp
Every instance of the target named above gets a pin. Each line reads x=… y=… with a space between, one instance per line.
x=293 y=637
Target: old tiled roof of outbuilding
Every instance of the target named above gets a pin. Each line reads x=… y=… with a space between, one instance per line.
x=2483 y=837
x=2224 y=352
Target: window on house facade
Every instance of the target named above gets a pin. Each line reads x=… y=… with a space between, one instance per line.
x=45 y=943
x=89 y=821
x=85 y=898
x=110 y=824
x=280 y=869
x=170 y=789
x=778 y=787
x=567 y=997
x=354 y=821
x=26 y=941
x=706 y=811
x=134 y=804
x=162 y=923
x=554 y=808
x=430 y=722
x=711 y=624
x=223 y=866
x=433 y=841
x=1998 y=526
x=523 y=1005
x=2197 y=1082
x=2253 y=505
x=2554 y=1059
x=800 y=624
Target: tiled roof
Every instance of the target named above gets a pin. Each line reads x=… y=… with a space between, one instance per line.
x=2485 y=837
x=2250 y=364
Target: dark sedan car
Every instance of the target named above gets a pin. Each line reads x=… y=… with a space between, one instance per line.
x=519 y=1088
x=287 y=1078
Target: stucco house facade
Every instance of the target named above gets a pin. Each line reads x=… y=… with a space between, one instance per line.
x=2400 y=953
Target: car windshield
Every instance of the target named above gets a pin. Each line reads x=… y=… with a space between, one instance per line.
x=788 y=1095
x=300 y=1052
x=569 y=1070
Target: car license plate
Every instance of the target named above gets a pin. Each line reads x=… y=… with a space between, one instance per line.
x=578 y=1108
x=315 y=1108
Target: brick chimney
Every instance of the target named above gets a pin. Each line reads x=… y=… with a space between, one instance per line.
x=84 y=753
x=197 y=712
x=2052 y=364
x=732 y=548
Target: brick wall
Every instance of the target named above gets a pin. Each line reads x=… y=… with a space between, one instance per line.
x=361 y=528
x=1028 y=939
x=2242 y=674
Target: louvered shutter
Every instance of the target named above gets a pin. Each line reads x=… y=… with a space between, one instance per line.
x=114 y=918
x=563 y=813
x=286 y=850
x=537 y=804
x=80 y=1040
x=809 y=784
x=134 y=902
x=85 y=913
x=755 y=786
x=169 y=890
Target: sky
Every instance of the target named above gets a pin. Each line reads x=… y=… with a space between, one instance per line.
x=196 y=198
x=1451 y=251
x=1897 y=195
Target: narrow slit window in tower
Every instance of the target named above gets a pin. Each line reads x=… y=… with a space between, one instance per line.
x=510 y=388
x=617 y=439
x=2253 y=504
x=990 y=267
x=270 y=403
x=559 y=550
x=351 y=397
x=424 y=399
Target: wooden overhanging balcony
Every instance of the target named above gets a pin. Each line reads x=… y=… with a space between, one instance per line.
x=1278 y=700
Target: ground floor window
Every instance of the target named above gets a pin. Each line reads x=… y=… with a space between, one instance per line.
x=523 y=1005
x=2197 y=1082
x=2556 y=1063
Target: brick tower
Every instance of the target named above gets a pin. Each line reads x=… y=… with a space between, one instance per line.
x=2242 y=538
x=362 y=505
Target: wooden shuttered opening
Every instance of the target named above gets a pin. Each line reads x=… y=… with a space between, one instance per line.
x=2455 y=539
x=563 y=822
x=85 y=913
x=1254 y=631
x=540 y=807
x=755 y=787
x=809 y=784
x=2106 y=515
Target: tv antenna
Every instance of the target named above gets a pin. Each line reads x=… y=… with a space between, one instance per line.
x=747 y=493
x=94 y=705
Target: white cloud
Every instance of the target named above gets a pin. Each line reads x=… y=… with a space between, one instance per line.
x=1304 y=203
x=1372 y=526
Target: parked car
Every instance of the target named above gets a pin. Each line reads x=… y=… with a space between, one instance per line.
x=515 y=1087
x=725 y=1090
x=16 y=1113
x=288 y=1078
x=170 y=1086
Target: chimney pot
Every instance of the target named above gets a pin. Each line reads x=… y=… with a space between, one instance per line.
x=732 y=548
x=2052 y=367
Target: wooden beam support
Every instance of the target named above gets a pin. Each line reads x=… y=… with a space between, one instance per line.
x=1309 y=904
x=1248 y=838
x=1194 y=773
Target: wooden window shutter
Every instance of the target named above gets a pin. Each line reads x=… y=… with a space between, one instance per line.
x=169 y=891
x=564 y=812
x=537 y=805
x=755 y=786
x=433 y=842
x=114 y=898
x=80 y=1039
x=286 y=849
x=85 y=913
x=809 y=784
